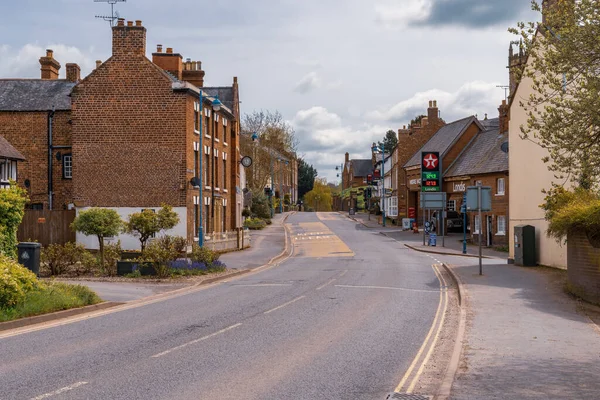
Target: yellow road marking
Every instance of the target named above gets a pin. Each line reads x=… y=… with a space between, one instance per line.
x=264 y=285
x=437 y=334
x=423 y=346
x=196 y=341
x=284 y=304
x=386 y=288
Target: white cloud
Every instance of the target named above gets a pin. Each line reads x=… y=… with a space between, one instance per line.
x=309 y=83
x=24 y=62
x=393 y=13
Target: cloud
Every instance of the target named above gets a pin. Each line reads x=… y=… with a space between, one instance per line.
x=465 y=13
x=470 y=99
x=308 y=83
x=24 y=62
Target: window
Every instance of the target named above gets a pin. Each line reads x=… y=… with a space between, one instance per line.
x=224 y=174
x=501 y=225
x=500 y=186
x=196 y=218
x=393 y=207
x=196 y=121
x=216 y=171
x=206 y=122
x=224 y=217
x=196 y=161
x=477 y=224
x=67 y=166
x=451 y=205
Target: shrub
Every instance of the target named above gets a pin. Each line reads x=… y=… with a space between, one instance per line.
x=260 y=205
x=99 y=222
x=570 y=211
x=147 y=223
x=162 y=252
x=112 y=254
x=218 y=266
x=15 y=282
x=89 y=263
x=255 y=223
x=246 y=212
x=12 y=209
x=60 y=258
x=203 y=255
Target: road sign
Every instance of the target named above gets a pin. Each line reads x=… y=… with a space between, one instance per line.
x=486 y=198
x=431 y=171
x=433 y=200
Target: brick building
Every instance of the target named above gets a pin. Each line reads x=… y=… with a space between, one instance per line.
x=35 y=117
x=355 y=172
x=9 y=160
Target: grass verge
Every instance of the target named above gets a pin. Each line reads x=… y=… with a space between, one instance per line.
x=51 y=297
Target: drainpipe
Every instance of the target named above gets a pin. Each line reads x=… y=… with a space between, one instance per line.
x=50 y=151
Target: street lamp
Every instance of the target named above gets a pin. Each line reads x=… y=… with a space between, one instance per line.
x=380 y=149
x=216 y=106
x=281 y=196
x=201 y=185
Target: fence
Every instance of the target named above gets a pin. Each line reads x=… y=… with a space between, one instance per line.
x=228 y=241
x=47 y=227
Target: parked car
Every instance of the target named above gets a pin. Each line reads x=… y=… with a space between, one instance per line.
x=454 y=221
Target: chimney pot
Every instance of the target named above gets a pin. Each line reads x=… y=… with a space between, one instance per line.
x=169 y=50
x=235 y=80
x=49 y=53
x=430 y=103
x=98 y=63
x=129 y=23
x=159 y=48
x=49 y=66
x=435 y=104
x=121 y=22
x=138 y=22
x=73 y=72
x=188 y=60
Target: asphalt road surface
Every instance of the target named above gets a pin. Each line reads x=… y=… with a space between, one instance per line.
x=343 y=318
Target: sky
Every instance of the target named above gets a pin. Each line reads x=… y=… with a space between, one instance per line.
x=341 y=72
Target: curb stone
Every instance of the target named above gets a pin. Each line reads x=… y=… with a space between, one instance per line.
x=445 y=253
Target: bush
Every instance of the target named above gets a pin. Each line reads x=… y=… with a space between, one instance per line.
x=185 y=268
x=203 y=255
x=112 y=254
x=15 y=282
x=246 y=212
x=162 y=252
x=255 y=223
x=60 y=259
x=571 y=211
x=147 y=223
x=99 y=222
x=12 y=209
x=260 y=205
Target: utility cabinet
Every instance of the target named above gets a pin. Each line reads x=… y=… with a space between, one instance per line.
x=525 y=254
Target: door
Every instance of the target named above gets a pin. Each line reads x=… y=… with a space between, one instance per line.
x=489 y=231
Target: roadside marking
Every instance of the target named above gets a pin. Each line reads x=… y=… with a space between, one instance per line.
x=59 y=391
x=437 y=334
x=196 y=341
x=387 y=288
x=284 y=304
x=427 y=338
x=343 y=273
x=331 y=281
x=263 y=285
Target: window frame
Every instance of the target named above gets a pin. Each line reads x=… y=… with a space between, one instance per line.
x=503 y=219
x=498 y=192
x=64 y=166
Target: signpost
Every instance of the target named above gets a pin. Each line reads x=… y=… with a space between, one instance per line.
x=432 y=197
x=479 y=198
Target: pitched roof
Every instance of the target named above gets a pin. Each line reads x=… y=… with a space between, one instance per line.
x=361 y=167
x=35 y=94
x=443 y=139
x=225 y=94
x=8 y=151
x=484 y=156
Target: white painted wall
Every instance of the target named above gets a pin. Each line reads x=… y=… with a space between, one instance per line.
x=129 y=242
x=529 y=175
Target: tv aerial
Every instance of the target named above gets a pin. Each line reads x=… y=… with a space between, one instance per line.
x=114 y=15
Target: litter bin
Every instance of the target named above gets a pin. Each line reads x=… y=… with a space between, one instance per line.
x=29 y=256
x=351 y=212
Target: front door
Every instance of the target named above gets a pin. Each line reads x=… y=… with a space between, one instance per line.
x=489 y=231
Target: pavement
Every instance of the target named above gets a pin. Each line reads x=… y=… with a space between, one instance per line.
x=342 y=318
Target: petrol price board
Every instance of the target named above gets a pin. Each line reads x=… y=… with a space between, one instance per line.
x=431 y=171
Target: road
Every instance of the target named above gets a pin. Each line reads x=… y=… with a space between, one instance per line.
x=343 y=318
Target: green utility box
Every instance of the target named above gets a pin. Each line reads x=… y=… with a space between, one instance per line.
x=525 y=252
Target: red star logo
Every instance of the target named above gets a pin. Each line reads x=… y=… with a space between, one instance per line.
x=431 y=161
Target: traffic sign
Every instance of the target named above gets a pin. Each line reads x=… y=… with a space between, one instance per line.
x=431 y=171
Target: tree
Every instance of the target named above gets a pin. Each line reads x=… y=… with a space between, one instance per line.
x=12 y=209
x=147 y=223
x=320 y=196
x=564 y=61
x=306 y=177
x=99 y=222
x=389 y=141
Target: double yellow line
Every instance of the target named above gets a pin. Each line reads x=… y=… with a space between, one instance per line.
x=428 y=346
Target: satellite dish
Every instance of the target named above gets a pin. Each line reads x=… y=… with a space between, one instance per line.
x=195 y=181
x=246 y=161
x=504 y=147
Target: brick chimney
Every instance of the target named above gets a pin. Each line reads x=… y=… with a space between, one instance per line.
x=504 y=116
x=73 y=72
x=50 y=66
x=432 y=112
x=347 y=157
x=192 y=72
x=130 y=40
x=170 y=62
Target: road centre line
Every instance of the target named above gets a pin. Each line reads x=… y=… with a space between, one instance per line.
x=284 y=304
x=387 y=288
x=423 y=346
x=328 y=283
x=196 y=340
x=437 y=334
x=343 y=273
x=263 y=285
x=59 y=391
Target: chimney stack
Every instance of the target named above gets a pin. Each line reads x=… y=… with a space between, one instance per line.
x=347 y=157
x=98 y=63
x=432 y=112
x=129 y=41
x=504 y=116
x=73 y=72
x=50 y=66
x=170 y=62
x=192 y=73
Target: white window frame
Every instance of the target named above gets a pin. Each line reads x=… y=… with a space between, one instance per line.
x=498 y=191
x=503 y=219
x=393 y=207
x=451 y=205
x=67 y=166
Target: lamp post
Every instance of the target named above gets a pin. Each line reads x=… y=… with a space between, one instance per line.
x=272 y=185
x=216 y=106
x=281 y=196
x=201 y=184
x=378 y=149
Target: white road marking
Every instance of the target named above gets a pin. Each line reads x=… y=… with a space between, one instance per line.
x=196 y=341
x=284 y=304
x=59 y=391
x=331 y=281
x=264 y=285
x=343 y=273
x=387 y=288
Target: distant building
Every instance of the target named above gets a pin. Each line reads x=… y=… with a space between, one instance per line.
x=9 y=159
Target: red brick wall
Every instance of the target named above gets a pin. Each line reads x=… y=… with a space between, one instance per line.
x=583 y=267
x=28 y=133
